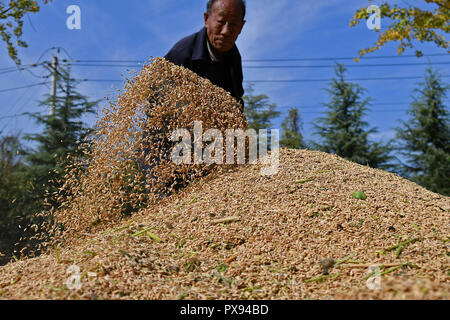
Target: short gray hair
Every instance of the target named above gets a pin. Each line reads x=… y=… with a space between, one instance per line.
x=242 y=3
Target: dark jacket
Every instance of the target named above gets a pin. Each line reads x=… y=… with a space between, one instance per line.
x=192 y=53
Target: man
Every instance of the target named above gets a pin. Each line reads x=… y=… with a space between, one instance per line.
x=211 y=52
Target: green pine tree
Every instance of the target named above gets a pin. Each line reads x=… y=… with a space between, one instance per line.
x=343 y=129
x=13 y=202
x=425 y=137
x=292 y=125
x=62 y=133
x=258 y=110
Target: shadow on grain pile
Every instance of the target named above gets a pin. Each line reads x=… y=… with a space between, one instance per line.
x=240 y=235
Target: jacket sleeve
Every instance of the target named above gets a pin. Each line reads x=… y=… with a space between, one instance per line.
x=178 y=57
x=173 y=57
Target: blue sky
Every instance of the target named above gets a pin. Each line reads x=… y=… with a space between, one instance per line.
x=282 y=29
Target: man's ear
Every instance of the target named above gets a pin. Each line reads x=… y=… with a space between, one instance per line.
x=205 y=16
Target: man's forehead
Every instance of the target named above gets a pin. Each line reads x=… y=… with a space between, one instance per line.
x=227 y=7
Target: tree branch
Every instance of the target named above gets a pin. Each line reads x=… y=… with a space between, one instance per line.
x=2 y=13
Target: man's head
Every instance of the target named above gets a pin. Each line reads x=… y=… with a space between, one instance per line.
x=224 y=21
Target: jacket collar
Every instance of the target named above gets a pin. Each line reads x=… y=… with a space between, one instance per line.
x=200 y=50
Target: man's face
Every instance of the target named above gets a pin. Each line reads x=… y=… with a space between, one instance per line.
x=224 y=24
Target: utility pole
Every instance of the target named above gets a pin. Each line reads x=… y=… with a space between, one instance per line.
x=53 y=87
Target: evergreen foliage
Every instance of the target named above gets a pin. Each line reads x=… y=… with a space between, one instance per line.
x=292 y=125
x=343 y=130
x=425 y=138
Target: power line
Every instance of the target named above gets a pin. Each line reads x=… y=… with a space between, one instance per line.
x=342 y=58
x=290 y=80
x=23 y=105
x=347 y=66
x=36 y=76
x=325 y=80
x=9 y=68
x=20 y=108
x=29 y=99
x=14 y=116
x=321 y=104
x=283 y=110
x=106 y=65
x=282 y=67
x=369 y=111
x=14 y=69
x=273 y=60
x=36 y=64
x=9 y=71
x=101 y=80
x=77 y=62
x=371 y=108
x=28 y=86
x=17 y=101
x=58 y=50
x=19 y=67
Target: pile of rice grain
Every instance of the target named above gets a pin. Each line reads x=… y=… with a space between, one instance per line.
x=279 y=228
x=232 y=233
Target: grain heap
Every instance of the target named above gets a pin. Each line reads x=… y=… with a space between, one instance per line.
x=234 y=234
x=127 y=163
x=239 y=235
